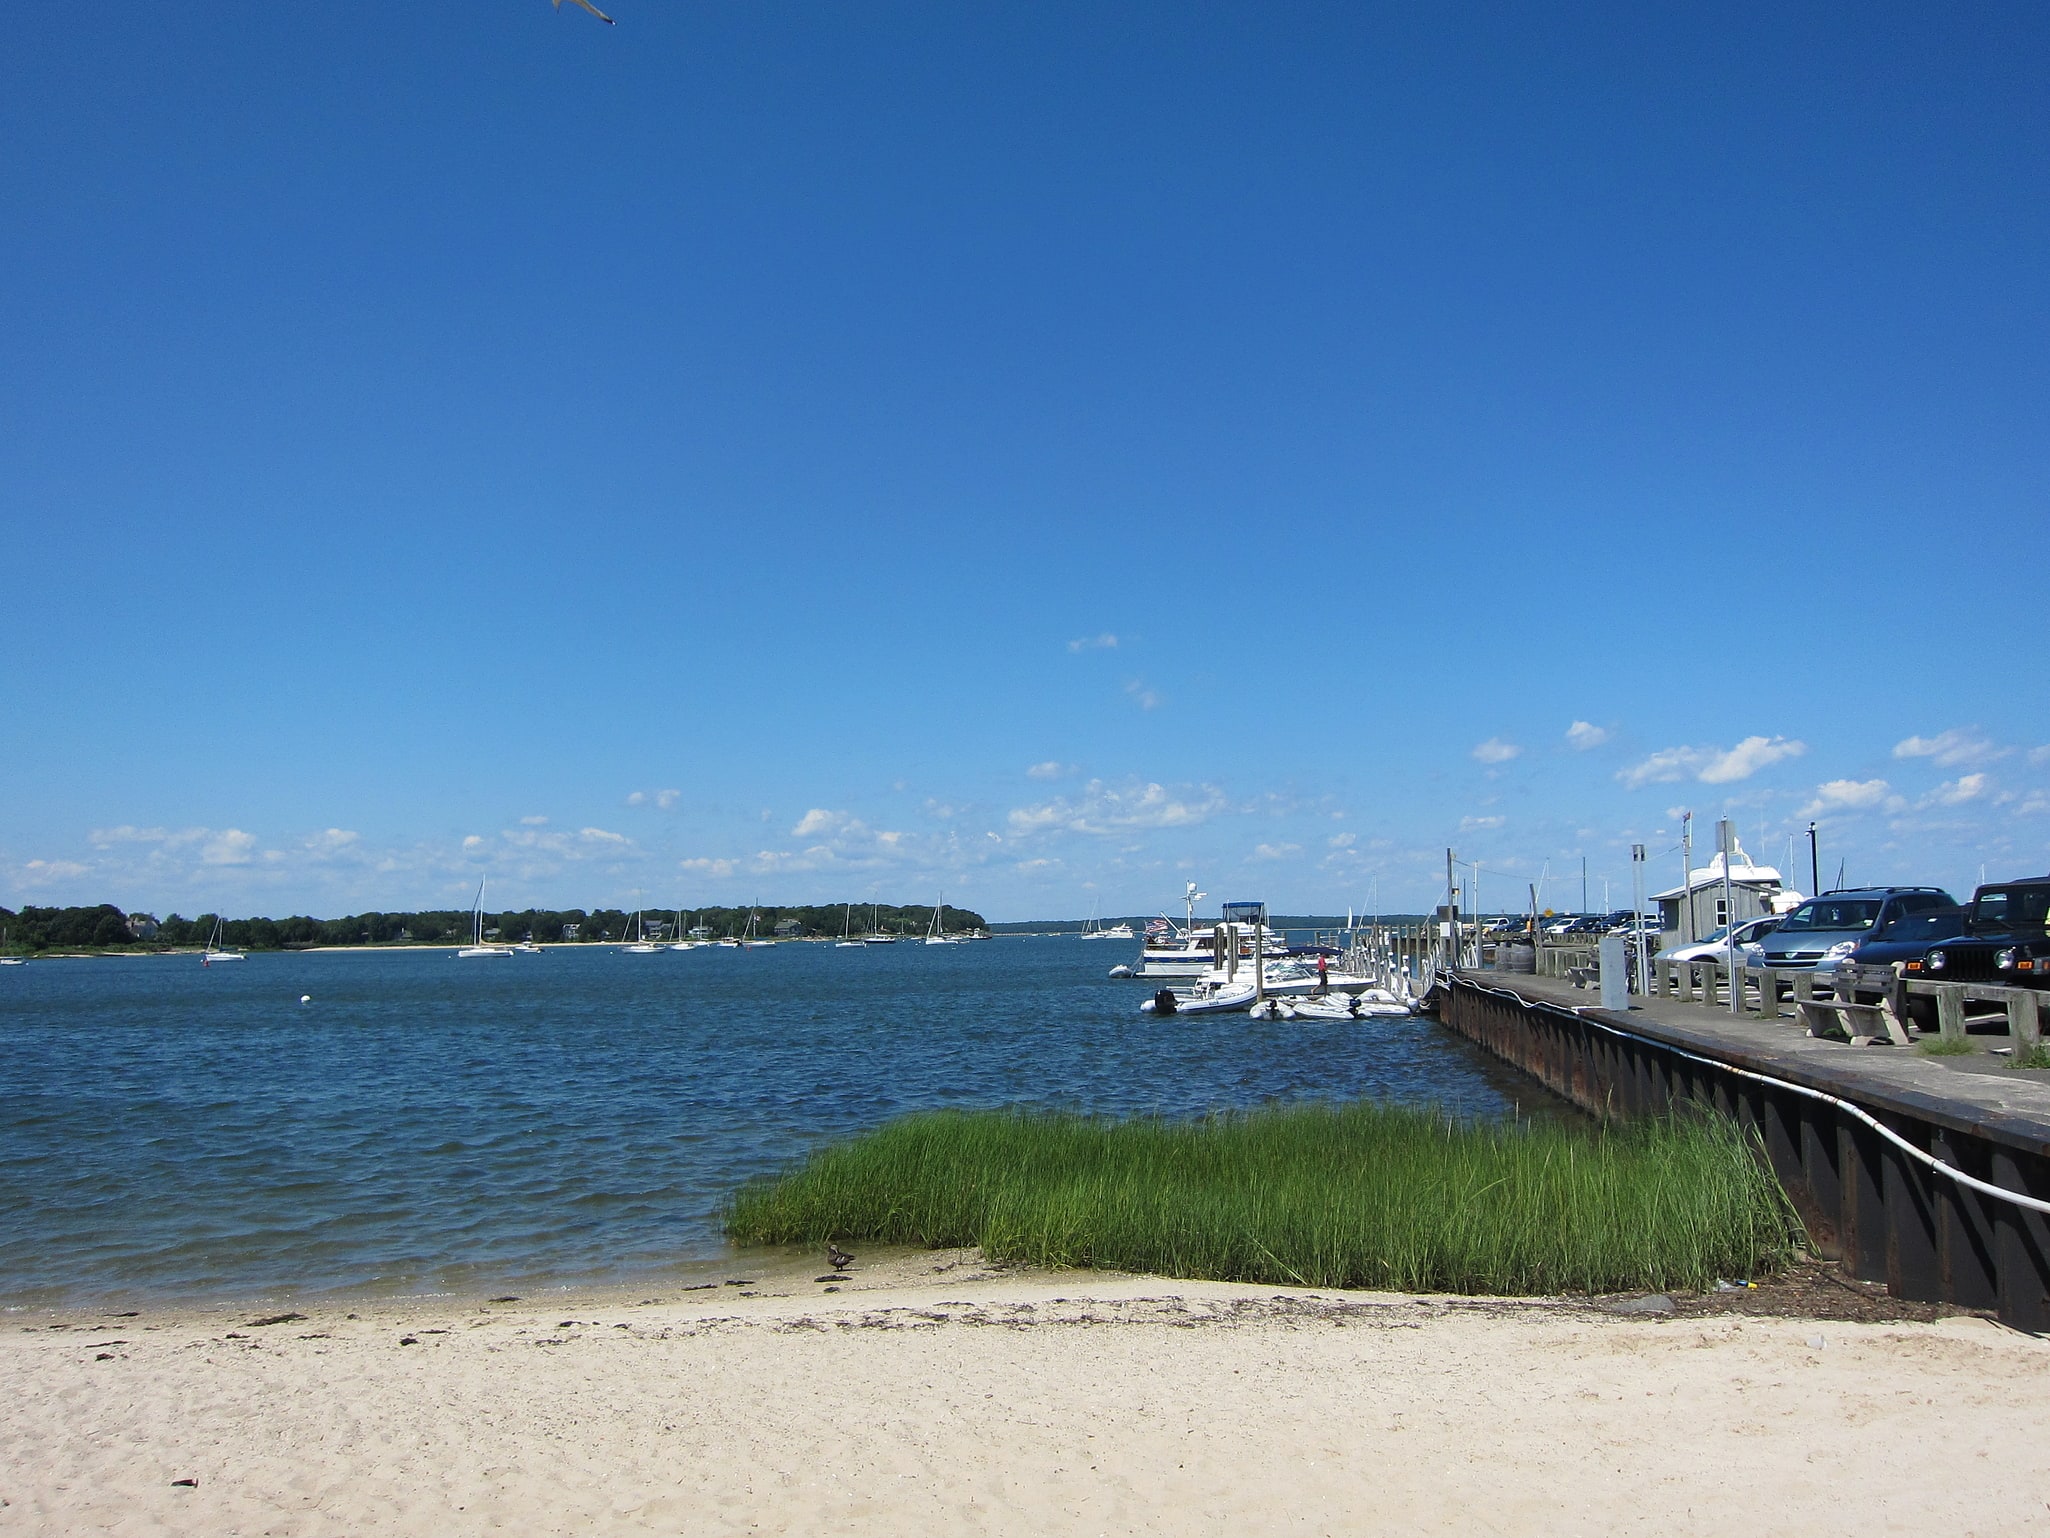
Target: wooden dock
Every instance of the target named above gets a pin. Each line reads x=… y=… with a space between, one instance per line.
x=1817 y=1106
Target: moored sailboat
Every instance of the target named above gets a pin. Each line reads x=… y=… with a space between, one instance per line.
x=477 y=949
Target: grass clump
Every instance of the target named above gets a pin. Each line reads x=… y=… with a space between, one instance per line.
x=1947 y=1046
x=2036 y=1056
x=1357 y=1195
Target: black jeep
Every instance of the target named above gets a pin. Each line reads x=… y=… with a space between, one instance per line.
x=2006 y=939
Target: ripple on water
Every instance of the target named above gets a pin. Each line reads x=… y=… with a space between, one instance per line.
x=578 y=1116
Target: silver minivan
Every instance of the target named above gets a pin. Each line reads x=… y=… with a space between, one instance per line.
x=1825 y=929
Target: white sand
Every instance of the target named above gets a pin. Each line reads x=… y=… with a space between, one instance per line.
x=963 y=1403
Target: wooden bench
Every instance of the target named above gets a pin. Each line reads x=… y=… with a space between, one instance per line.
x=1583 y=977
x=1840 y=1017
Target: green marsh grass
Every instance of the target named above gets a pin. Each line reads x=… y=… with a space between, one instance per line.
x=1947 y=1046
x=1357 y=1195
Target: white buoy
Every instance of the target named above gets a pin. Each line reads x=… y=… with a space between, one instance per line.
x=305 y=998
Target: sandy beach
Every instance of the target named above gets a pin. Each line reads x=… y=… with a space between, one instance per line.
x=929 y=1394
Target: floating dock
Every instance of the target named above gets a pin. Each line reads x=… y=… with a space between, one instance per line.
x=1929 y=1174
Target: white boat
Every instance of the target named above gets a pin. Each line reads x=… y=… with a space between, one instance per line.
x=1093 y=927
x=934 y=935
x=875 y=936
x=641 y=945
x=1190 y=951
x=847 y=942
x=1203 y=999
x=526 y=948
x=215 y=951
x=477 y=950
x=8 y=961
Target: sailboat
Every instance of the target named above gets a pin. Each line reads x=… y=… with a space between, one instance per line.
x=934 y=935
x=641 y=945
x=749 y=940
x=689 y=940
x=215 y=951
x=476 y=947
x=7 y=961
x=847 y=942
x=875 y=935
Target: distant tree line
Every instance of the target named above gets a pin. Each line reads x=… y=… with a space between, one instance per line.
x=106 y=927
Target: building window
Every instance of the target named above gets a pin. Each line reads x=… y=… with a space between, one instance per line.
x=1722 y=912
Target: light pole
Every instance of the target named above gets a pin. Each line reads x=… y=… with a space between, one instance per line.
x=1814 y=865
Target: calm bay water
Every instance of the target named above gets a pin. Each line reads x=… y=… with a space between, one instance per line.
x=173 y=1131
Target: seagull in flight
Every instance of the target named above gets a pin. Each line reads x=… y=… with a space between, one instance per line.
x=586 y=4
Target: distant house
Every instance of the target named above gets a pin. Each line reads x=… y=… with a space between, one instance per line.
x=142 y=926
x=569 y=932
x=786 y=928
x=1696 y=909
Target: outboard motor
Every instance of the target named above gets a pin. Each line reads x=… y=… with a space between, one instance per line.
x=1164 y=1002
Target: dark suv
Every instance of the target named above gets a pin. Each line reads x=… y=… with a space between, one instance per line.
x=2006 y=939
x=1826 y=929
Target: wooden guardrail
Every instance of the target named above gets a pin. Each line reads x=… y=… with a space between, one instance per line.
x=1814 y=997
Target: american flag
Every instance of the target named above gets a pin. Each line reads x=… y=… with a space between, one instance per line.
x=1158 y=929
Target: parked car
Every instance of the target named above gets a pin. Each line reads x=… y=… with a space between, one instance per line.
x=1590 y=924
x=1884 y=956
x=1557 y=923
x=1823 y=930
x=2005 y=939
x=1717 y=946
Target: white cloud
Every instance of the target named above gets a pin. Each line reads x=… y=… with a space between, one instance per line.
x=1747 y=758
x=1094 y=643
x=1496 y=751
x=1052 y=769
x=1958 y=745
x=1342 y=840
x=533 y=822
x=601 y=836
x=42 y=872
x=1711 y=766
x=332 y=841
x=816 y=821
x=1103 y=809
x=664 y=800
x=473 y=841
x=1968 y=787
x=2040 y=756
x=1846 y=795
x=231 y=846
x=1480 y=824
x=1583 y=735
x=637 y=798
x=667 y=799
x=705 y=867
x=1276 y=851
x=1148 y=698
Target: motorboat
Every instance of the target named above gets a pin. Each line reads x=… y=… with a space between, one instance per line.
x=1203 y=999
x=526 y=948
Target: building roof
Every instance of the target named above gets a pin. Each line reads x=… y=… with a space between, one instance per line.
x=1742 y=873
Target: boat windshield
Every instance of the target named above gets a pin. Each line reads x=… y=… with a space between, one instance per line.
x=1833 y=915
x=2017 y=907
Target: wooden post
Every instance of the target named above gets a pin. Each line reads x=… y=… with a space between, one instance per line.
x=1685 y=971
x=1769 y=993
x=1950 y=1013
x=2024 y=1027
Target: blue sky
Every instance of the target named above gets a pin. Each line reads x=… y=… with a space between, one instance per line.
x=1042 y=452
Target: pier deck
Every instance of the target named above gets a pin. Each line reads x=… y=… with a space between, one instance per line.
x=1864 y=1200
x=1968 y=1093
